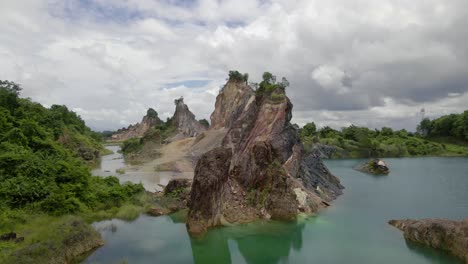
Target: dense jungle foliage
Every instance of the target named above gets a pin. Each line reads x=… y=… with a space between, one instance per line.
x=444 y=136
x=44 y=161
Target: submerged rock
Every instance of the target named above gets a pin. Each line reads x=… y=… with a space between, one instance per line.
x=260 y=169
x=373 y=166
x=448 y=235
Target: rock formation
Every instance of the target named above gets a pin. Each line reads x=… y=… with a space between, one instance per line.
x=451 y=236
x=184 y=121
x=373 y=166
x=150 y=120
x=261 y=169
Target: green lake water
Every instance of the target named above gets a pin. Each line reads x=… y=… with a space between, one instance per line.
x=353 y=230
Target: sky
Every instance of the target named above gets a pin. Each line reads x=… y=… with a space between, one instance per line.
x=370 y=63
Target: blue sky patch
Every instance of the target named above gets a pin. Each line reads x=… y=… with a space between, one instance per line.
x=189 y=83
x=77 y=9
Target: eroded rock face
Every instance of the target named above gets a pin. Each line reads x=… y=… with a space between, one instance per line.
x=451 y=236
x=150 y=120
x=268 y=174
x=185 y=122
x=208 y=190
x=230 y=104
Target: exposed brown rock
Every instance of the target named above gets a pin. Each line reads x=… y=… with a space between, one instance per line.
x=267 y=173
x=208 y=190
x=177 y=185
x=184 y=121
x=448 y=235
x=150 y=120
x=230 y=104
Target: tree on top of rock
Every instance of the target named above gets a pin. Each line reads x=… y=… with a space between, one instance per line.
x=152 y=113
x=238 y=77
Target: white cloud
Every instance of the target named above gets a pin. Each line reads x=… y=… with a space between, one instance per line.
x=348 y=61
x=330 y=78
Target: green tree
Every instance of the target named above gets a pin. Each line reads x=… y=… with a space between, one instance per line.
x=309 y=129
x=152 y=113
x=268 y=78
x=425 y=127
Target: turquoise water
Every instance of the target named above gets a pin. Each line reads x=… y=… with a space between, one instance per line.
x=353 y=230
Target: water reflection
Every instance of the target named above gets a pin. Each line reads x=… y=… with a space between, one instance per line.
x=277 y=239
x=430 y=254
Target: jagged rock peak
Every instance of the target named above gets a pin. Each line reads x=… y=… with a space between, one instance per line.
x=150 y=120
x=184 y=121
x=268 y=174
x=230 y=103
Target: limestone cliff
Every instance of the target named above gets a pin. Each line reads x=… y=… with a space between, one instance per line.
x=184 y=121
x=451 y=236
x=260 y=169
x=150 y=120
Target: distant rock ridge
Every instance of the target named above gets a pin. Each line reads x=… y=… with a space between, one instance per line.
x=260 y=169
x=184 y=121
x=150 y=120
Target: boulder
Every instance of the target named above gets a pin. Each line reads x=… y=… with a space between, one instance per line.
x=373 y=166
x=177 y=186
x=208 y=190
x=448 y=235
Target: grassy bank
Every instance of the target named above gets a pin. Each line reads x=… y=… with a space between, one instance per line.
x=56 y=237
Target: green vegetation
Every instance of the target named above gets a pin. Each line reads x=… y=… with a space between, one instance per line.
x=362 y=142
x=151 y=113
x=453 y=127
x=156 y=135
x=204 y=123
x=45 y=155
x=238 y=77
x=269 y=88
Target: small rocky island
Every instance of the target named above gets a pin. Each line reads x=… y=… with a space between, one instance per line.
x=259 y=169
x=448 y=235
x=373 y=166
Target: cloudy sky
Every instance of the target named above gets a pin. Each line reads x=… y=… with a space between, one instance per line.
x=371 y=63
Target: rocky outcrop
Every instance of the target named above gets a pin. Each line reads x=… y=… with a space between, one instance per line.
x=150 y=120
x=328 y=151
x=184 y=121
x=174 y=198
x=207 y=197
x=373 y=166
x=261 y=169
x=451 y=236
x=230 y=104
